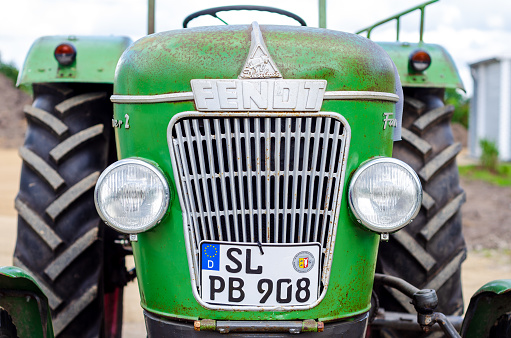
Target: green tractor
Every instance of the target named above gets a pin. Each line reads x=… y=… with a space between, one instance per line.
x=249 y=171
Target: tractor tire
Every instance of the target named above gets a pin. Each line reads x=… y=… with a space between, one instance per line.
x=7 y=328
x=61 y=241
x=428 y=252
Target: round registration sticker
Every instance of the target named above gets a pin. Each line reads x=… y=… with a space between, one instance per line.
x=303 y=261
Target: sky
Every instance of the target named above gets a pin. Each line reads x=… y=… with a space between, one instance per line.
x=470 y=30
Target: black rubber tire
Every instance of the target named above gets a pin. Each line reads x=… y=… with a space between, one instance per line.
x=61 y=240
x=7 y=328
x=502 y=327
x=428 y=252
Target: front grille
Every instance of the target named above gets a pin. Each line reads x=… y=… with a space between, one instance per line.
x=268 y=178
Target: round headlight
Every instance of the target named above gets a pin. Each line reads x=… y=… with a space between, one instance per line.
x=385 y=194
x=131 y=196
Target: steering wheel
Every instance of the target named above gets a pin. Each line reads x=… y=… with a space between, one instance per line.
x=215 y=10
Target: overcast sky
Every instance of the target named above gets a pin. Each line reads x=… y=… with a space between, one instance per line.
x=470 y=30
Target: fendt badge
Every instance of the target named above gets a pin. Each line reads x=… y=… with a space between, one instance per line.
x=257 y=95
x=259 y=87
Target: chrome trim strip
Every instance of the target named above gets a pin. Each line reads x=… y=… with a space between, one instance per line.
x=188 y=96
x=171 y=97
x=360 y=95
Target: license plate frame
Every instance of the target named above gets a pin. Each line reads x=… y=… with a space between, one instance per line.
x=248 y=274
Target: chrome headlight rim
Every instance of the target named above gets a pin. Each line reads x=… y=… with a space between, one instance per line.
x=154 y=169
x=360 y=170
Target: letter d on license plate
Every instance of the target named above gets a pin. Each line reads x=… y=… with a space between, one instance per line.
x=246 y=274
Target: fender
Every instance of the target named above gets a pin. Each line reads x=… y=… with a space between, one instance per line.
x=442 y=72
x=23 y=299
x=486 y=306
x=96 y=59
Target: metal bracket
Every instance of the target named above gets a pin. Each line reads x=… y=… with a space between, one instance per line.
x=228 y=326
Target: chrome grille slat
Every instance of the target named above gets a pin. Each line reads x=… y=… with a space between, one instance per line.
x=294 y=197
x=231 y=150
x=324 y=151
x=214 y=189
x=248 y=160
x=329 y=186
x=231 y=189
x=203 y=171
x=187 y=179
x=287 y=139
x=257 y=177
x=240 y=181
x=278 y=140
x=304 y=177
x=312 y=177
x=268 y=173
x=221 y=165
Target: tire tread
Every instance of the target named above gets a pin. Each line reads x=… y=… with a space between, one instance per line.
x=66 y=147
x=43 y=169
x=428 y=252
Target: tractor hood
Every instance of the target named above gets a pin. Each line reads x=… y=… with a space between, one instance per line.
x=167 y=62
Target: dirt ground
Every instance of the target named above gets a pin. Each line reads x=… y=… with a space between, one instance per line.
x=486 y=214
x=12 y=120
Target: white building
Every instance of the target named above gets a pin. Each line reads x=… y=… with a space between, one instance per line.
x=490 y=108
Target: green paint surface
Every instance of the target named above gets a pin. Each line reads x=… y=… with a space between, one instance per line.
x=24 y=311
x=165 y=63
x=96 y=59
x=487 y=305
x=442 y=72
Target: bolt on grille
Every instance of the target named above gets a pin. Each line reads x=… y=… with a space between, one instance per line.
x=268 y=178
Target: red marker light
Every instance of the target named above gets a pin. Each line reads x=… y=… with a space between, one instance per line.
x=420 y=60
x=65 y=54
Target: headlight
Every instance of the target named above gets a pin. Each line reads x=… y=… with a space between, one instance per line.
x=385 y=194
x=131 y=196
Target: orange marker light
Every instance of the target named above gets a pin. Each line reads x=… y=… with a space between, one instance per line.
x=420 y=60
x=65 y=54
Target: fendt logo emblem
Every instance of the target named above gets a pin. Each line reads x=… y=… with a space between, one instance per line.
x=259 y=64
x=259 y=87
x=258 y=95
x=259 y=67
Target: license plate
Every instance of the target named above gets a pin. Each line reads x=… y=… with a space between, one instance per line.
x=267 y=275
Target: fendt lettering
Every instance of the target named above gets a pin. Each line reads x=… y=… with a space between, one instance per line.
x=258 y=95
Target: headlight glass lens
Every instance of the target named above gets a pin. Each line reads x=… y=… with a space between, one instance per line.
x=385 y=194
x=131 y=196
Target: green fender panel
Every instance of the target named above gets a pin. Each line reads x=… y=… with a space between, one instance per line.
x=442 y=72
x=487 y=305
x=96 y=59
x=21 y=296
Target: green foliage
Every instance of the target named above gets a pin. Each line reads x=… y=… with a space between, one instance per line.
x=502 y=177
x=490 y=170
x=461 y=105
x=490 y=155
x=9 y=70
